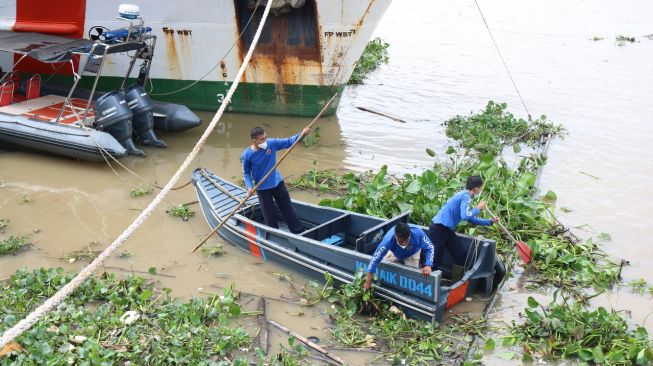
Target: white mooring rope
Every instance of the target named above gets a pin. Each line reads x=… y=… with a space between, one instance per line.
x=51 y=303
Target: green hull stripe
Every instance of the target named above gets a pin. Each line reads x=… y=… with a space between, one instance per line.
x=259 y=98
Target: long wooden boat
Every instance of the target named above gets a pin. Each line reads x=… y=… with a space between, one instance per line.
x=340 y=243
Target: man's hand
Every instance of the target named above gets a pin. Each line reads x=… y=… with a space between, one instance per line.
x=482 y=205
x=250 y=191
x=306 y=131
x=495 y=220
x=426 y=271
x=368 y=281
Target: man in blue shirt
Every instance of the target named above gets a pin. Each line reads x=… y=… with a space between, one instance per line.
x=402 y=244
x=457 y=208
x=257 y=160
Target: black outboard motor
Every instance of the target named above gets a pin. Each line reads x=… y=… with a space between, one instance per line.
x=143 y=121
x=114 y=116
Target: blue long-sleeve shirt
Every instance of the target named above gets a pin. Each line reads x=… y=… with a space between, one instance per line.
x=256 y=164
x=458 y=209
x=417 y=241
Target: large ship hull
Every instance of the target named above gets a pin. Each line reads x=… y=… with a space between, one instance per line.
x=305 y=54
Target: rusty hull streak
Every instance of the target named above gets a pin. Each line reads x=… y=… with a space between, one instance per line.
x=278 y=62
x=367 y=11
x=171 y=52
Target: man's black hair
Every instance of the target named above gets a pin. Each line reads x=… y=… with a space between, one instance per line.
x=256 y=132
x=474 y=182
x=402 y=230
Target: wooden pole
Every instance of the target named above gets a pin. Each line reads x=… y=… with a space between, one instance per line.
x=249 y=194
x=263 y=324
x=303 y=339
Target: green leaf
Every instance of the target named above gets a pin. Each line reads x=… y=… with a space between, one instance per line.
x=532 y=303
x=509 y=341
x=527 y=357
x=450 y=150
x=516 y=148
x=644 y=356
x=586 y=354
x=550 y=196
x=413 y=187
x=597 y=353
x=489 y=345
x=151 y=270
x=430 y=152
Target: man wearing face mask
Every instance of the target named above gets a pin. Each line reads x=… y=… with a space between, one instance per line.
x=457 y=208
x=258 y=160
x=402 y=244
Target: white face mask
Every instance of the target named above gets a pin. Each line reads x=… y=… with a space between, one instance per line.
x=264 y=145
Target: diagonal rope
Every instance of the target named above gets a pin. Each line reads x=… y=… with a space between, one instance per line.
x=502 y=59
x=52 y=302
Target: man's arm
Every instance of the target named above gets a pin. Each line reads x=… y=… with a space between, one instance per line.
x=426 y=245
x=377 y=257
x=247 y=172
x=280 y=144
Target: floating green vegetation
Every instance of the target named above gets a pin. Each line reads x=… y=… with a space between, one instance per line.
x=494 y=128
x=84 y=254
x=621 y=40
x=215 y=250
x=560 y=259
x=641 y=287
x=567 y=330
x=375 y=54
x=121 y=321
x=401 y=340
x=13 y=244
x=141 y=190
x=24 y=198
x=3 y=224
x=597 y=38
x=313 y=138
x=182 y=211
x=323 y=180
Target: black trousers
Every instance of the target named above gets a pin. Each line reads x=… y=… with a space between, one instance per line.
x=280 y=195
x=442 y=237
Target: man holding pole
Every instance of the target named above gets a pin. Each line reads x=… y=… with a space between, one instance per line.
x=258 y=159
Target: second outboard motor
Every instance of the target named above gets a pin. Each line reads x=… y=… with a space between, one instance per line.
x=143 y=121
x=114 y=116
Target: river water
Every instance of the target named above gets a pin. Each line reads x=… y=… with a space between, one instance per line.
x=442 y=63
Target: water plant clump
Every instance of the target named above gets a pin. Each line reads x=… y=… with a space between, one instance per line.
x=130 y=322
x=141 y=190
x=182 y=211
x=401 y=340
x=13 y=244
x=323 y=180
x=215 y=250
x=495 y=128
x=375 y=54
x=567 y=330
x=313 y=138
x=3 y=224
x=621 y=40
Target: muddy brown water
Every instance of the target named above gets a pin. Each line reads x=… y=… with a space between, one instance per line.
x=442 y=63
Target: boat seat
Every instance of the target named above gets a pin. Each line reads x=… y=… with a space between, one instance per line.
x=369 y=239
x=337 y=225
x=6 y=93
x=33 y=88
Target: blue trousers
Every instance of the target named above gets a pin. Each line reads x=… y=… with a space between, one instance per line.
x=280 y=195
